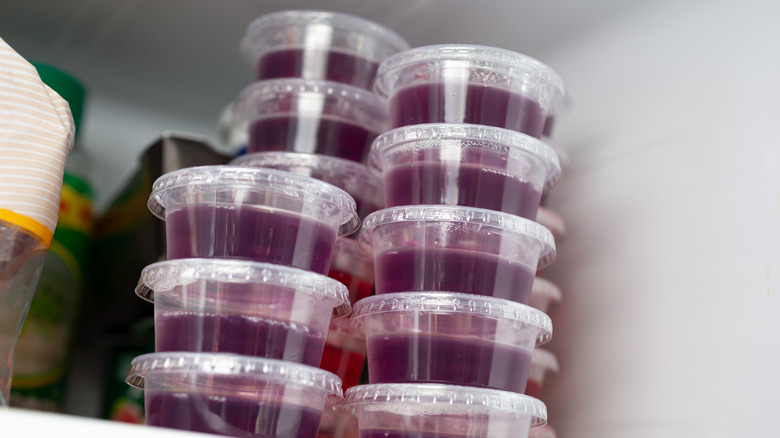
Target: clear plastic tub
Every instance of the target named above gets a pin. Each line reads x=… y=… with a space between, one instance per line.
x=263 y=215
x=354 y=268
x=542 y=363
x=543 y=294
x=449 y=338
x=311 y=116
x=354 y=178
x=337 y=423
x=461 y=164
x=233 y=395
x=455 y=249
x=429 y=410
x=345 y=352
x=319 y=45
x=242 y=307
x=469 y=84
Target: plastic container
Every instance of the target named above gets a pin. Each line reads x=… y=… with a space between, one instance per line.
x=461 y=164
x=544 y=293
x=233 y=395
x=449 y=338
x=429 y=410
x=469 y=84
x=354 y=268
x=345 y=352
x=354 y=178
x=455 y=249
x=241 y=307
x=542 y=362
x=311 y=116
x=263 y=215
x=319 y=45
x=552 y=221
x=337 y=423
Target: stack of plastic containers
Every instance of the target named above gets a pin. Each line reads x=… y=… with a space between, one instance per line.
x=450 y=335
x=242 y=306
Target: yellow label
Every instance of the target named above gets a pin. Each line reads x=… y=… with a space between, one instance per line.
x=34 y=227
x=75 y=211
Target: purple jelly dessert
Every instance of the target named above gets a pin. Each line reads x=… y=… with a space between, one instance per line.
x=237 y=333
x=237 y=416
x=248 y=232
x=379 y=433
x=317 y=64
x=454 y=270
x=443 y=359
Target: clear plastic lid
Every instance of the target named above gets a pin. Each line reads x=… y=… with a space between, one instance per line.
x=197 y=180
x=352 y=177
x=167 y=275
x=546 y=289
x=313 y=98
x=344 y=32
x=449 y=302
x=498 y=67
x=544 y=359
x=462 y=215
x=420 y=137
x=234 y=365
x=437 y=399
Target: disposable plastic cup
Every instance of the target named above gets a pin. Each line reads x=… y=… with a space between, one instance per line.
x=543 y=294
x=462 y=164
x=311 y=116
x=455 y=249
x=552 y=221
x=263 y=215
x=469 y=84
x=542 y=432
x=319 y=45
x=241 y=307
x=354 y=268
x=354 y=178
x=337 y=423
x=429 y=410
x=345 y=352
x=233 y=395
x=450 y=338
x=542 y=363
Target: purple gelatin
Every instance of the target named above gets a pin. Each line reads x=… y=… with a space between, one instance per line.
x=235 y=333
x=224 y=414
x=379 y=433
x=247 y=232
x=461 y=184
x=452 y=270
x=317 y=64
x=335 y=138
x=442 y=359
x=483 y=105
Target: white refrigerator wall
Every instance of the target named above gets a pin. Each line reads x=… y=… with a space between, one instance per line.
x=671 y=280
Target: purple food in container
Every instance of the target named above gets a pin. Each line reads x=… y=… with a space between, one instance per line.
x=469 y=84
x=450 y=338
x=311 y=116
x=463 y=164
x=455 y=249
x=354 y=178
x=233 y=395
x=319 y=45
x=242 y=307
x=430 y=410
x=263 y=215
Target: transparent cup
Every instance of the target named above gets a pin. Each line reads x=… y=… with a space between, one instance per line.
x=429 y=410
x=542 y=363
x=233 y=395
x=461 y=164
x=345 y=352
x=543 y=294
x=354 y=178
x=354 y=268
x=319 y=45
x=450 y=338
x=469 y=84
x=455 y=249
x=242 y=307
x=310 y=116
x=263 y=215
x=552 y=221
